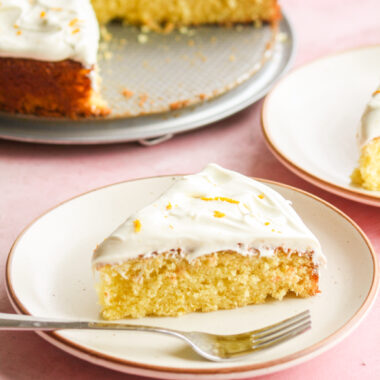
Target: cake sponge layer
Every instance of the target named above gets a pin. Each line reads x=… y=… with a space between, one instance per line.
x=368 y=173
x=185 y=12
x=48 y=88
x=169 y=285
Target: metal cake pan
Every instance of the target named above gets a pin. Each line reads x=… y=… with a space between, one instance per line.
x=245 y=86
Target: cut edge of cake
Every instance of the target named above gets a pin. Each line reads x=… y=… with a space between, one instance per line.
x=163 y=15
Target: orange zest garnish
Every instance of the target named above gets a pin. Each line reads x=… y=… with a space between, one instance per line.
x=223 y=199
x=267 y=223
x=42 y=14
x=376 y=92
x=137 y=225
x=73 y=22
x=75 y=31
x=19 y=32
x=261 y=196
x=218 y=214
x=169 y=206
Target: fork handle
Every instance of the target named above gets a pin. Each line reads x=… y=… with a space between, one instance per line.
x=30 y=323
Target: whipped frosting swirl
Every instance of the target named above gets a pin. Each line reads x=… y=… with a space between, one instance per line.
x=214 y=210
x=370 y=122
x=49 y=30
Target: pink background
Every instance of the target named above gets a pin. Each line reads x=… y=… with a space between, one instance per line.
x=34 y=178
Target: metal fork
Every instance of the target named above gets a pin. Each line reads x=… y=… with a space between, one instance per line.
x=210 y=346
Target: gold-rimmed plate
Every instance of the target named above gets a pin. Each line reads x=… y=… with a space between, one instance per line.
x=311 y=117
x=49 y=274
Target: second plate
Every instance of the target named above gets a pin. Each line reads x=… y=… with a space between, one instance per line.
x=310 y=119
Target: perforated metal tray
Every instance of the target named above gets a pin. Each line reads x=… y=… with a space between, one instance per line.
x=159 y=85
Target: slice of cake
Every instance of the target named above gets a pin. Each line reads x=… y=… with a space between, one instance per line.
x=214 y=240
x=48 y=54
x=367 y=174
x=48 y=48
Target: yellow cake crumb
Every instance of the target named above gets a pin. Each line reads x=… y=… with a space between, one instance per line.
x=142 y=38
x=169 y=285
x=164 y=15
x=142 y=100
x=367 y=174
x=219 y=214
x=179 y=104
x=127 y=93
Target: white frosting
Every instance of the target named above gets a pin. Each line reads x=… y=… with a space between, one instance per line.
x=49 y=30
x=252 y=218
x=370 y=122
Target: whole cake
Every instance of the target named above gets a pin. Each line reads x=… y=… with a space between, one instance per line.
x=367 y=174
x=48 y=48
x=214 y=240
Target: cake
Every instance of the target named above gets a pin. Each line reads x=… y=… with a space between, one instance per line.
x=48 y=54
x=158 y=13
x=48 y=48
x=367 y=174
x=214 y=240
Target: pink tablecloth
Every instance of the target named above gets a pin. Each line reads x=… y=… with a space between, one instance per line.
x=34 y=178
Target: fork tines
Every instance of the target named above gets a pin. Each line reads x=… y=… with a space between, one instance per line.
x=280 y=332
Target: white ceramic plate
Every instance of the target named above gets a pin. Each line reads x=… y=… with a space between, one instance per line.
x=310 y=119
x=49 y=274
